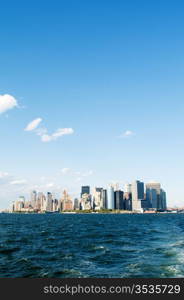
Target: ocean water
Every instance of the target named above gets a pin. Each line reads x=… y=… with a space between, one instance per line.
x=92 y=245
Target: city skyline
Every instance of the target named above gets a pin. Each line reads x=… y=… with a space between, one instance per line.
x=136 y=197
x=91 y=92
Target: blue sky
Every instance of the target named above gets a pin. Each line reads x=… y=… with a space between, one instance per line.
x=112 y=71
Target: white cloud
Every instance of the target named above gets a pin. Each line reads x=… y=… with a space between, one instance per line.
x=65 y=170
x=43 y=132
x=50 y=185
x=7 y=102
x=46 y=138
x=89 y=173
x=33 y=124
x=127 y=133
x=17 y=182
x=3 y=174
x=58 y=133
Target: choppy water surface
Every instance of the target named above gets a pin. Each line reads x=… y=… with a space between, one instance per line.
x=91 y=245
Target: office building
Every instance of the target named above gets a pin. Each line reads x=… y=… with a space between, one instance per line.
x=137 y=195
x=33 y=199
x=104 y=198
x=85 y=190
x=110 y=197
x=151 y=197
x=86 y=202
x=76 y=204
x=119 y=202
x=66 y=202
x=161 y=202
x=98 y=198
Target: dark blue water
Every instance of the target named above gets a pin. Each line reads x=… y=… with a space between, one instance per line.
x=91 y=245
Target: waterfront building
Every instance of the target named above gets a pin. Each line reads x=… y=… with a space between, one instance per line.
x=137 y=195
x=104 y=198
x=19 y=204
x=151 y=197
x=119 y=202
x=49 y=199
x=115 y=186
x=110 y=197
x=85 y=190
x=33 y=199
x=128 y=188
x=76 y=204
x=163 y=201
x=38 y=201
x=66 y=202
x=128 y=196
x=161 y=195
x=42 y=202
x=55 y=205
x=86 y=202
x=154 y=185
x=98 y=198
x=128 y=201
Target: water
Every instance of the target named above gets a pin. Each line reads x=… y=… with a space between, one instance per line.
x=92 y=245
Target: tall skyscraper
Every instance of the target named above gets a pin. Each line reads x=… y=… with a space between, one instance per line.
x=67 y=203
x=151 y=197
x=86 y=202
x=55 y=205
x=137 y=195
x=104 y=196
x=110 y=197
x=19 y=204
x=128 y=188
x=128 y=196
x=115 y=186
x=49 y=202
x=76 y=204
x=161 y=195
x=85 y=190
x=33 y=199
x=154 y=185
x=163 y=201
x=98 y=198
x=119 y=200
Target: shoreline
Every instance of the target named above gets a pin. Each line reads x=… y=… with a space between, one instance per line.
x=94 y=213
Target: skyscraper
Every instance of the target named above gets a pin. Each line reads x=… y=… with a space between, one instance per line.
x=98 y=198
x=128 y=188
x=119 y=200
x=33 y=199
x=104 y=196
x=137 y=195
x=128 y=196
x=49 y=206
x=154 y=185
x=19 y=204
x=86 y=202
x=161 y=195
x=163 y=201
x=85 y=190
x=66 y=201
x=110 y=197
x=151 y=197
x=76 y=204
